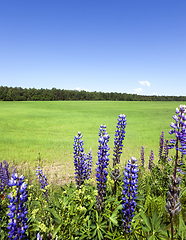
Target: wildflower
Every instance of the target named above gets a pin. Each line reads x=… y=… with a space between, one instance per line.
x=118 y=144
x=17 y=207
x=142 y=156
x=179 y=128
x=39 y=237
x=166 y=149
x=151 y=160
x=173 y=205
x=88 y=164
x=4 y=175
x=42 y=179
x=79 y=160
x=161 y=144
x=103 y=161
x=129 y=193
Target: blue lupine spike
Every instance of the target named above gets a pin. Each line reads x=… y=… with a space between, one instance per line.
x=129 y=193
x=102 y=163
x=151 y=160
x=161 y=145
x=80 y=160
x=142 y=156
x=4 y=175
x=179 y=128
x=88 y=164
x=42 y=179
x=17 y=208
x=118 y=144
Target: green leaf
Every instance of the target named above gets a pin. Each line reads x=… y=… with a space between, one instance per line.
x=146 y=220
x=56 y=231
x=154 y=218
x=33 y=228
x=145 y=229
x=56 y=201
x=57 y=218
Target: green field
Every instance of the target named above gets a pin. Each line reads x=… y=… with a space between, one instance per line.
x=48 y=128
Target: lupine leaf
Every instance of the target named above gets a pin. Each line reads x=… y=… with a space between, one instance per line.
x=56 y=230
x=146 y=229
x=154 y=218
x=57 y=218
x=146 y=220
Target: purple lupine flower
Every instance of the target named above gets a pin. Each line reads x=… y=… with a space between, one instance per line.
x=4 y=175
x=179 y=128
x=129 y=193
x=79 y=160
x=39 y=237
x=161 y=144
x=43 y=180
x=166 y=149
x=142 y=156
x=151 y=160
x=17 y=207
x=103 y=161
x=118 y=145
x=88 y=164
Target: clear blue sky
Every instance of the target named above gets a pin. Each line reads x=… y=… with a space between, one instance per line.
x=132 y=46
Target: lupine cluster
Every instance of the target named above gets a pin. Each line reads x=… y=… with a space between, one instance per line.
x=118 y=145
x=151 y=160
x=142 y=156
x=161 y=144
x=17 y=205
x=4 y=175
x=42 y=179
x=103 y=161
x=129 y=193
x=179 y=128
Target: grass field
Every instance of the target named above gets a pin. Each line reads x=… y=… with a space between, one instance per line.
x=48 y=128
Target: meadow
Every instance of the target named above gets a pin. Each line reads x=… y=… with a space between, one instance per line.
x=46 y=130
x=132 y=198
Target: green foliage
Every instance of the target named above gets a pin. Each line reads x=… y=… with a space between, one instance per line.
x=3 y=215
x=153 y=228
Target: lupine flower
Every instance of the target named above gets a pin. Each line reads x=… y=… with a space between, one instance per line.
x=88 y=164
x=39 y=237
x=42 y=179
x=179 y=128
x=17 y=206
x=79 y=160
x=142 y=156
x=103 y=161
x=161 y=145
x=4 y=175
x=173 y=205
x=166 y=149
x=151 y=160
x=118 y=145
x=129 y=193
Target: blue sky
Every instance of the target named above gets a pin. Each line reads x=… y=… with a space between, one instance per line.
x=127 y=46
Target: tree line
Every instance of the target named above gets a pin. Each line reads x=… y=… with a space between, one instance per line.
x=33 y=94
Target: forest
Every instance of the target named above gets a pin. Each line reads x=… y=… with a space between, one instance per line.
x=33 y=94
